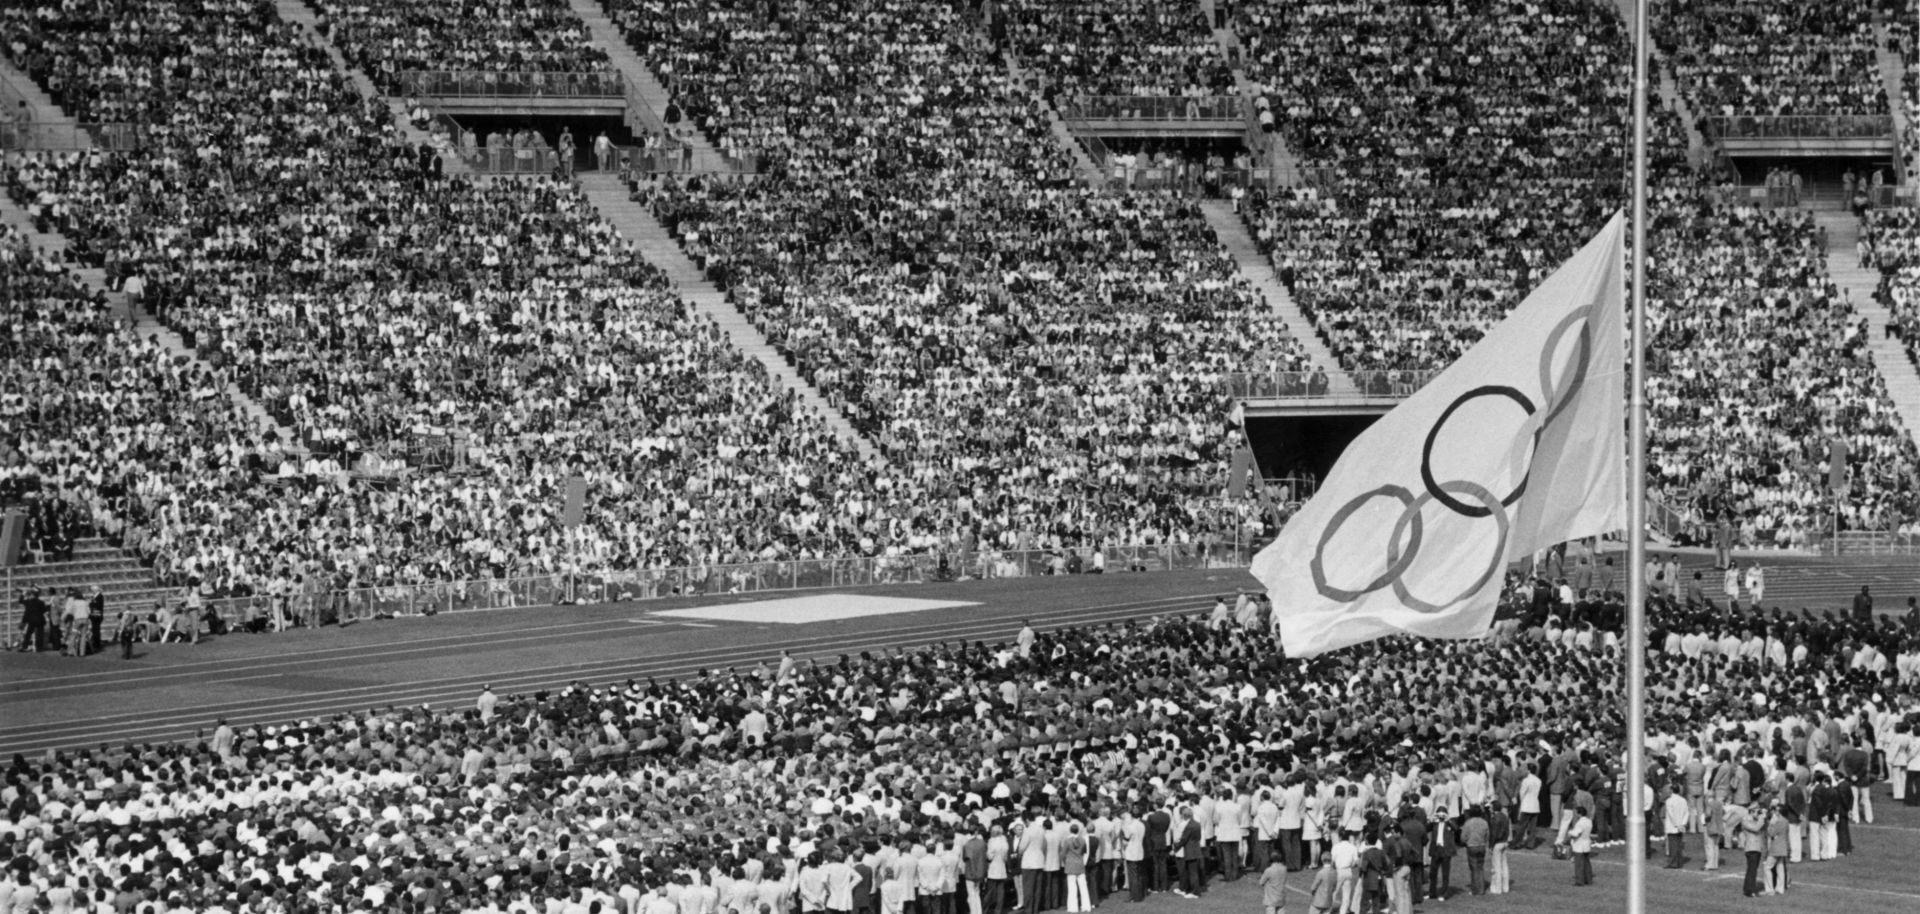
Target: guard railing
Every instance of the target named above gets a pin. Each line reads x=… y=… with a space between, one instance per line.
x=606 y=83
x=346 y=607
x=67 y=136
x=1800 y=126
x=1190 y=177
x=1154 y=107
x=1285 y=385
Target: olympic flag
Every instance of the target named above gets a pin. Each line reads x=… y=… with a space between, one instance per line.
x=1518 y=446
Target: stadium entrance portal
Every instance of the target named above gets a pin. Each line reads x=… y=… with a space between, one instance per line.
x=1296 y=443
x=1822 y=179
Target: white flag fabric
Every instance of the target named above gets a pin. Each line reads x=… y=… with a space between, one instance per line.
x=1518 y=446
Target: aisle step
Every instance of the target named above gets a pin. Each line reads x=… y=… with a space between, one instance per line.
x=638 y=225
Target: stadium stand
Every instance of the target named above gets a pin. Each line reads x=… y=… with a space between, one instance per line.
x=1436 y=130
x=1039 y=361
x=470 y=48
x=927 y=280
x=1743 y=57
x=1125 y=48
x=371 y=302
x=907 y=250
x=1731 y=298
x=290 y=316
x=1485 y=130
x=67 y=48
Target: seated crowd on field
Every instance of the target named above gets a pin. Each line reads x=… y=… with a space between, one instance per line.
x=1063 y=767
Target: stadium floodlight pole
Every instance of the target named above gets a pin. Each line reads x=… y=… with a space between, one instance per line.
x=1636 y=647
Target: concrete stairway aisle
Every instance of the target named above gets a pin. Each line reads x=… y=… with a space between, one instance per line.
x=1082 y=160
x=1285 y=165
x=299 y=13
x=1697 y=153
x=95 y=563
x=1258 y=270
x=607 y=37
x=1893 y=73
x=17 y=87
x=94 y=280
x=1626 y=15
x=54 y=246
x=1230 y=49
x=1287 y=171
x=658 y=246
x=39 y=104
x=1859 y=284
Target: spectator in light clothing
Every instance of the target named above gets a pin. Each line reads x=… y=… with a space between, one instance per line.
x=1580 y=842
x=1228 y=831
x=1499 y=837
x=1073 y=862
x=602 y=151
x=1675 y=819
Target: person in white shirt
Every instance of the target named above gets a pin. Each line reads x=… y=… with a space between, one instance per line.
x=1346 y=858
x=1529 y=809
x=995 y=894
x=1676 y=814
x=1293 y=802
x=1133 y=851
x=1228 y=833
x=1899 y=747
x=486 y=703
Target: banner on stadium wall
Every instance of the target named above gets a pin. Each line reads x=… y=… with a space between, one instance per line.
x=1837 y=465
x=1243 y=468
x=576 y=506
x=1518 y=446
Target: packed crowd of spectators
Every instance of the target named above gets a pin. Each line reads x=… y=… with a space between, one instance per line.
x=1458 y=158
x=1890 y=243
x=192 y=57
x=1135 y=756
x=83 y=399
x=1128 y=47
x=365 y=299
x=1750 y=57
x=370 y=303
x=1040 y=363
x=1738 y=292
x=497 y=42
x=831 y=83
x=931 y=265
x=1457 y=167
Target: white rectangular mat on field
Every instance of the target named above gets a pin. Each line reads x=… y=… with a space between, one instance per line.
x=827 y=607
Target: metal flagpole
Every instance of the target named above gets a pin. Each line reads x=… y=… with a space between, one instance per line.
x=1636 y=647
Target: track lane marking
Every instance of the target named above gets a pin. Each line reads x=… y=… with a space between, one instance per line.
x=88 y=731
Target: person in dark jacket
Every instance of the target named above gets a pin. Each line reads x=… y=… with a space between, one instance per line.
x=1159 y=823
x=1843 y=793
x=1413 y=827
x=96 y=617
x=33 y=621
x=1440 y=850
x=1193 y=875
x=1796 y=800
x=1819 y=818
x=1375 y=870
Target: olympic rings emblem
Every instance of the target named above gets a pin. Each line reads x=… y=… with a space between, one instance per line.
x=1557 y=392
